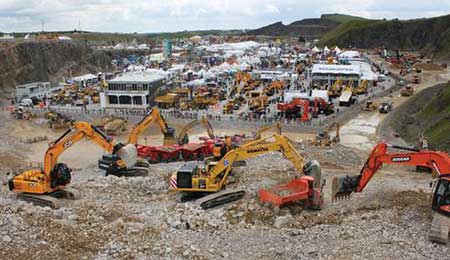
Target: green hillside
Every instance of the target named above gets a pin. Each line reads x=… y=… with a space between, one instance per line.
x=427 y=112
x=342 y=18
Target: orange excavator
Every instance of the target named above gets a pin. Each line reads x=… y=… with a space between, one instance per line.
x=153 y=116
x=439 y=162
x=44 y=186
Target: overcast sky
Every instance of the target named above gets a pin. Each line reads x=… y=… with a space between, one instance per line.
x=179 y=15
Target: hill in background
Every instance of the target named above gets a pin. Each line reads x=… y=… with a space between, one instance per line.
x=309 y=28
x=430 y=36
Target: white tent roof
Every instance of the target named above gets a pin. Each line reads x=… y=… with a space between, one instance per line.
x=325 y=49
x=337 y=50
x=315 y=49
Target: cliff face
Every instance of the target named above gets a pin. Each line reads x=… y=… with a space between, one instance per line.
x=32 y=61
x=430 y=36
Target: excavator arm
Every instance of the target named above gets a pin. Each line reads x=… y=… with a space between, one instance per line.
x=183 y=137
x=83 y=130
x=55 y=176
x=211 y=179
x=438 y=161
x=276 y=126
x=153 y=116
x=259 y=147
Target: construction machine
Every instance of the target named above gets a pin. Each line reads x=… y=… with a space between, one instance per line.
x=322 y=107
x=153 y=116
x=57 y=120
x=274 y=87
x=297 y=108
x=183 y=137
x=407 y=91
x=209 y=180
x=276 y=126
x=323 y=137
x=21 y=113
x=335 y=89
x=361 y=88
x=44 y=186
x=168 y=100
x=370 y=106
x=439 y=162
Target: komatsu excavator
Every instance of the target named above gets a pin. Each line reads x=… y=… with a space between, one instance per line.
x=208 y=181
x=44 y=186
x=153 y=116
x=183 y=137
x=439 y=162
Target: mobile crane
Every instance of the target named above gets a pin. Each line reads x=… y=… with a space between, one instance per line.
x=438 y=161
x=183 y=137
x=209 y=181
x=153 y=116
x=44 y=186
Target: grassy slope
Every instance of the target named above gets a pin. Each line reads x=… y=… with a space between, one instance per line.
x=329 y=38
x=342 y=18
x=438 y=107
x=428 y=112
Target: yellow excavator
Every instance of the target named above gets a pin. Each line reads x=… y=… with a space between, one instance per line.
x=209 y=180
x=361 y=88
x=44 y=186
x=335 y=89
x=276 y=126
x=153 y=116
x=183 y=137
x=323 y=137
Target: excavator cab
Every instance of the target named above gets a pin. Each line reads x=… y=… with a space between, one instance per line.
x=169 y=136
x=441 y=198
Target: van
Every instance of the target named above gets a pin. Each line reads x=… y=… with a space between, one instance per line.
x=26 y=102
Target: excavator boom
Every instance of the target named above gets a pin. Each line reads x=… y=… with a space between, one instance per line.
x=212 y=178
x=153 y=116
x=183 y=137
x=439 y=162
x=276 y=126
x=55 y=176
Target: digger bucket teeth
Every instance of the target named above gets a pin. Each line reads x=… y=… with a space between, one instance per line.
x=342 y=187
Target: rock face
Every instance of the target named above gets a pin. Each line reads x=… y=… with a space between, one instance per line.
x=32 y=61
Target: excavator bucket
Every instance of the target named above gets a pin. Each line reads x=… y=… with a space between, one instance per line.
x=342 y=187
x=128 y=154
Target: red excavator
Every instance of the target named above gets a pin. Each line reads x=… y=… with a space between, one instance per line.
x=294 y=109
x=439 y=162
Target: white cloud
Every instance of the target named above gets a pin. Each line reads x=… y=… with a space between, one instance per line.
x=176 y=15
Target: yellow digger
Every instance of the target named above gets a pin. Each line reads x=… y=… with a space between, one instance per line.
x=209 y=181
x=183 y=137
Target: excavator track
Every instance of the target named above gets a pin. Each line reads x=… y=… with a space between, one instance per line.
x=440 y=228
x=41 y=200
x=132 y=172
x=220 y=198
x=52 y=199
